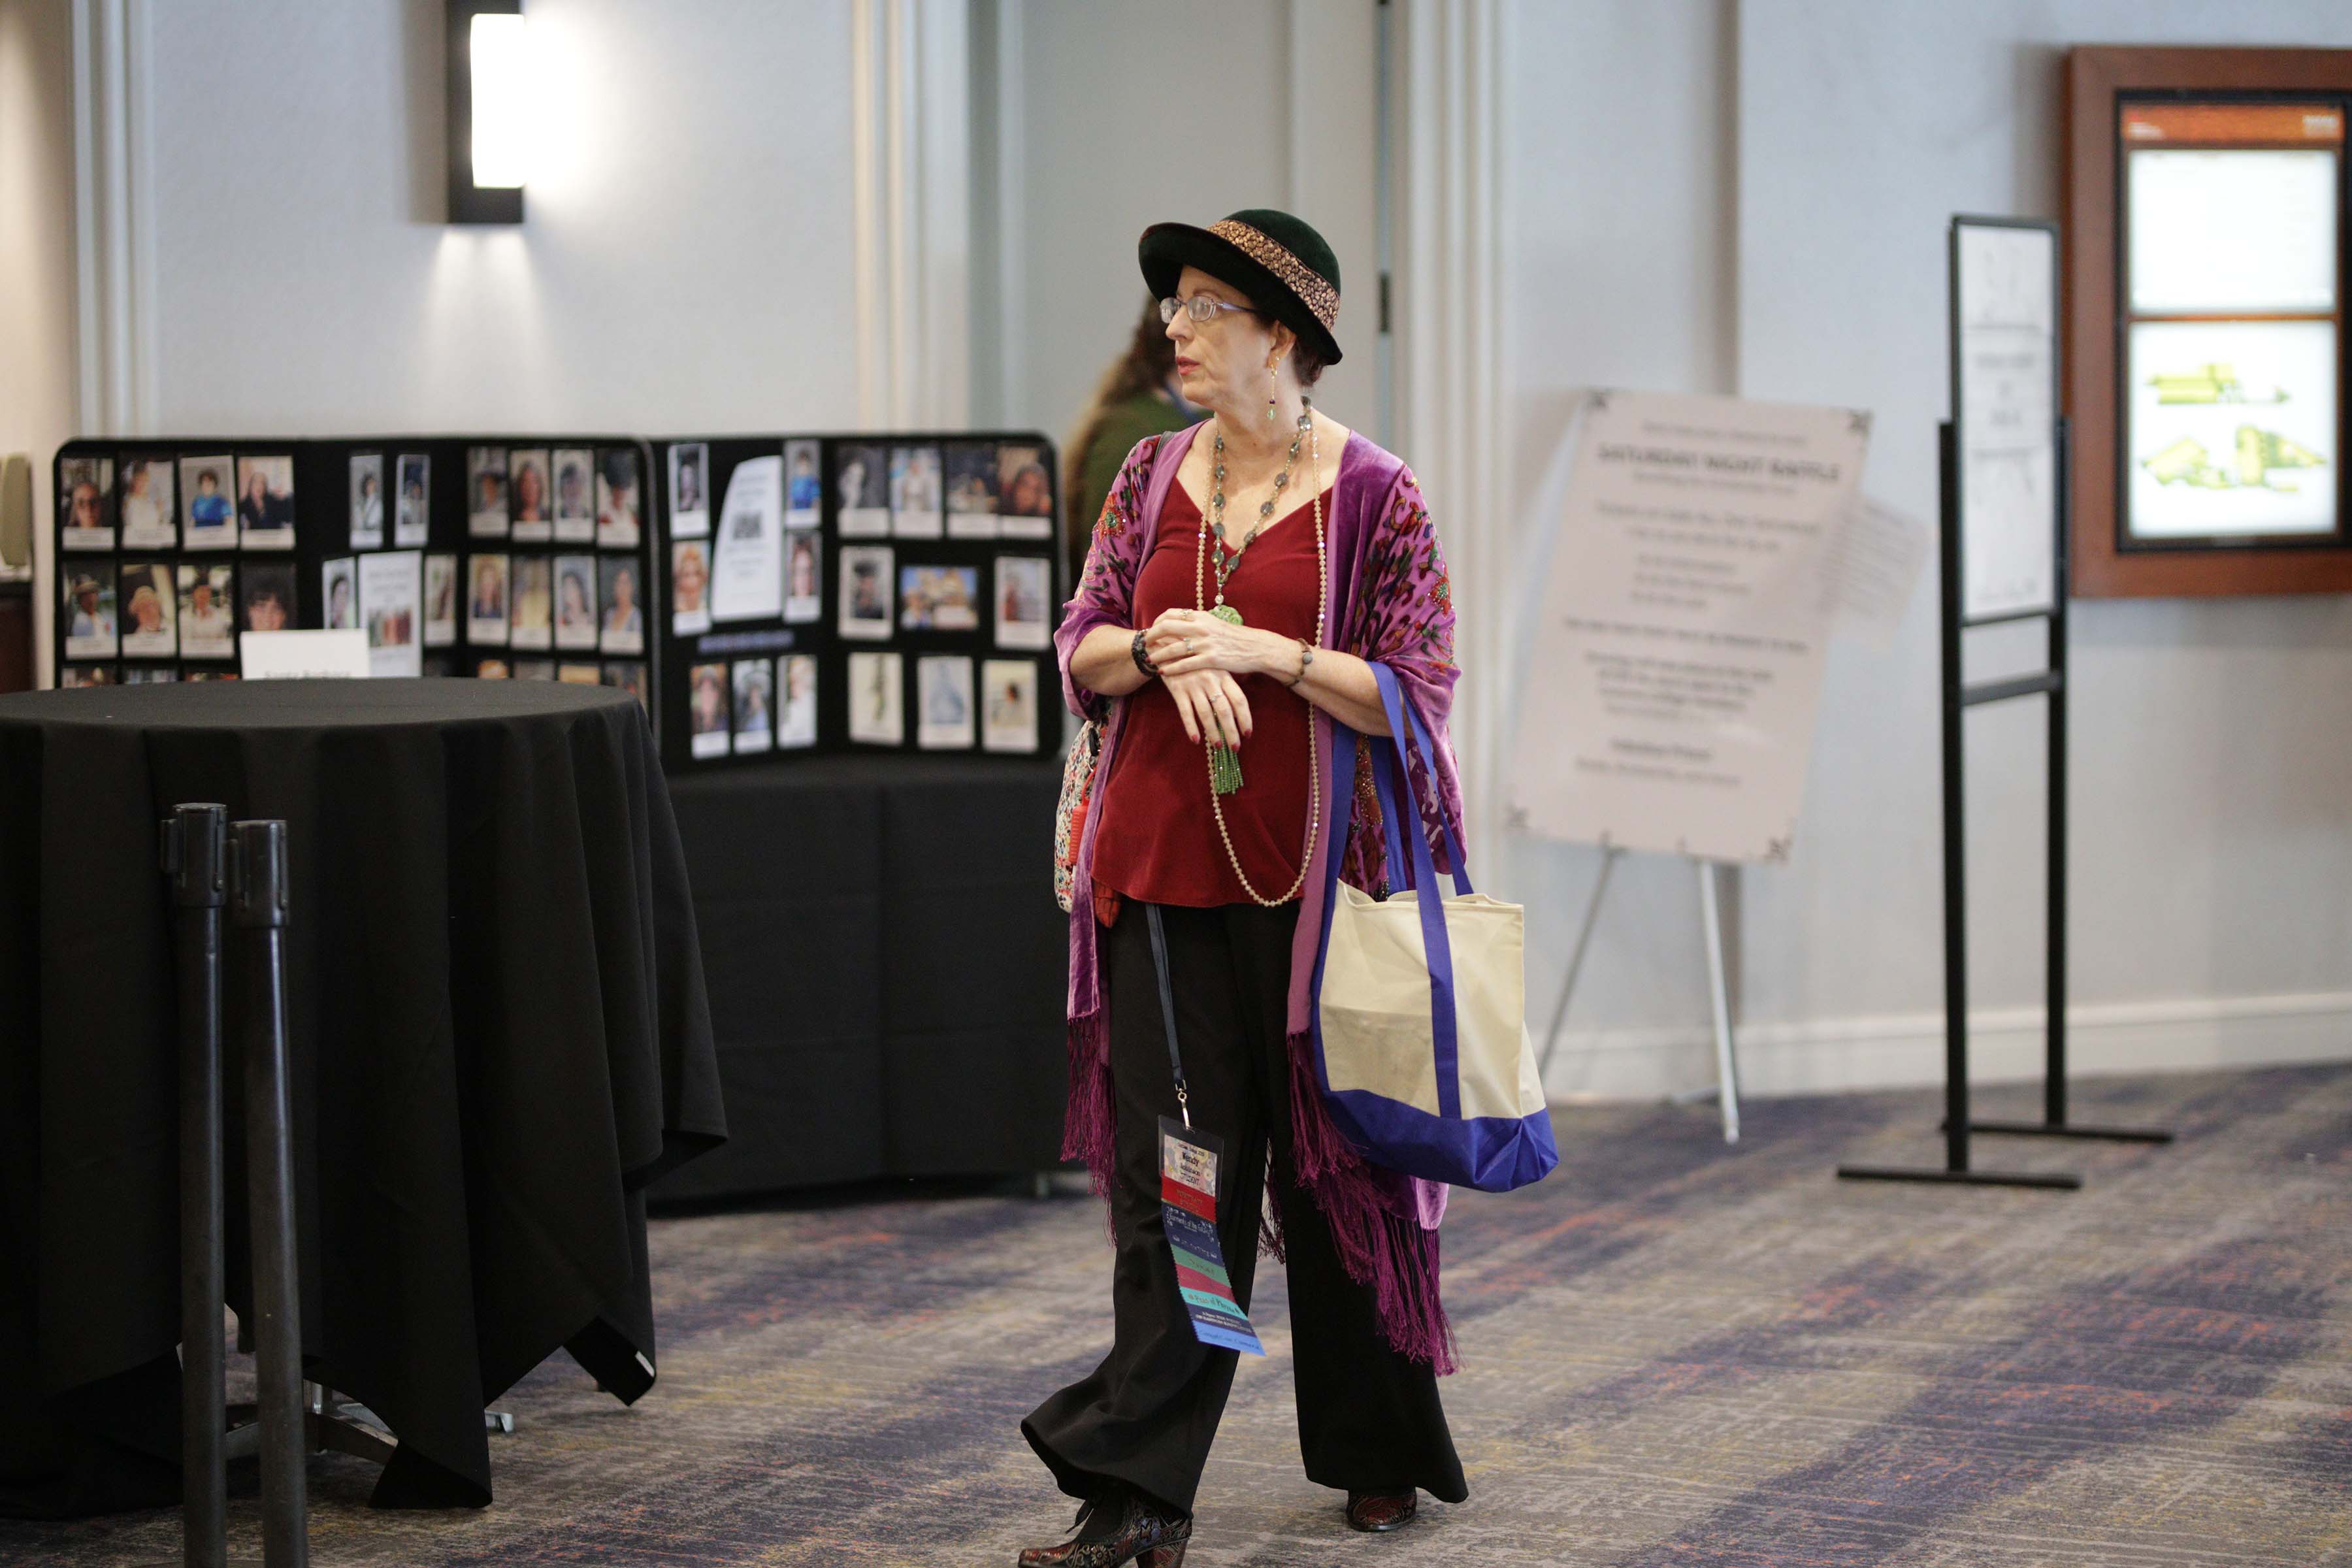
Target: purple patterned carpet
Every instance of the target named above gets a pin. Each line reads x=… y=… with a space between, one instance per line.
x=1677 y=1355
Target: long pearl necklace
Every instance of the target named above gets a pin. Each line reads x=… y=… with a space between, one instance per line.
x=1224 y=767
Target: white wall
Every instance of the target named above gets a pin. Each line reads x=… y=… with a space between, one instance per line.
x=2212 y=739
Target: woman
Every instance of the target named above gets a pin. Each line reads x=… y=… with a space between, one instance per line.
x=1317 y=588
x=1138 y=396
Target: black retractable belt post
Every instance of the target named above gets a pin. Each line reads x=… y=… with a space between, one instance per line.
x=257 y=882
x=194 y=857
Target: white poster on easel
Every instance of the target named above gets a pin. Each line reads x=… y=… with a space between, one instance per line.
x=1677 y=657
x=2005 y=385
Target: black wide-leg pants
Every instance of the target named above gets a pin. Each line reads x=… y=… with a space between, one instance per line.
x=1368 y=1418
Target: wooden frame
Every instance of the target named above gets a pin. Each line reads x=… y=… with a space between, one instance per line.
x=2097 y=79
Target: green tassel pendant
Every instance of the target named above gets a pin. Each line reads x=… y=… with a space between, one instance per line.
x=1224 y=769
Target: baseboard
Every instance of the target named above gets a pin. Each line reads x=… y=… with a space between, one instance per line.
x=2005 y=1044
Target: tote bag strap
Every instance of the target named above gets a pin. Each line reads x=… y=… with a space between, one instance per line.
x=1437 y=948
x=1388 y=754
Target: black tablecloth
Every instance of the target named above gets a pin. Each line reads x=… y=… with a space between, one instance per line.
x=886 y=968
x=498 y=1038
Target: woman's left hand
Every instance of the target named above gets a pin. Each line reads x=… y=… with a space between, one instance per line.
x=1182 y=641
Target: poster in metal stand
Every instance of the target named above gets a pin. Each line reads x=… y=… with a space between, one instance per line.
x=2004 y=368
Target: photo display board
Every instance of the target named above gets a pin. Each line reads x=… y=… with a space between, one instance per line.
x=169 y=550
x=2004 y=360
x=877 y=592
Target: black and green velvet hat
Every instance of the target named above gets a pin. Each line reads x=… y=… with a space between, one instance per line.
x=1278 y=260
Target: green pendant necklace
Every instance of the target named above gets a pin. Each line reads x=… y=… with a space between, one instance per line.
x=1224 y=766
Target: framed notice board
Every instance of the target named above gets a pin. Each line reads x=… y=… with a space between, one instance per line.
x=2206 y=274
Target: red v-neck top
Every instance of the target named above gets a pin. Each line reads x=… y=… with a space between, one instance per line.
x=1158 y=839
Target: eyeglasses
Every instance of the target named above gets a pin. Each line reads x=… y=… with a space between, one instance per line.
x=1201 y=308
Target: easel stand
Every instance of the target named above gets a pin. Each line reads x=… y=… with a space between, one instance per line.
x=1958 y=697
x=1726 y=1088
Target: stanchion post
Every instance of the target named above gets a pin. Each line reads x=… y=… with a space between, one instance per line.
x=192 y=854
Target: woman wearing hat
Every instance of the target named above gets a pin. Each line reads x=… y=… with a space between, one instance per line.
x=1243 y=576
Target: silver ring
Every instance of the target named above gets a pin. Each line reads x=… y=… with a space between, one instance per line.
x=1188 y=648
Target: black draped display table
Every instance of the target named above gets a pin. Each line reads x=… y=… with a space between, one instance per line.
x=886 y=967
x=498 y=1038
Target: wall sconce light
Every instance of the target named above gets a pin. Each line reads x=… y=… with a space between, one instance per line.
x=492 y=118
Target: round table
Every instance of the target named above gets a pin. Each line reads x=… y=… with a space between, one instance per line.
x=498 y=1033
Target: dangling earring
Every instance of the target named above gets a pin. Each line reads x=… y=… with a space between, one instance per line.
x=1269 y=395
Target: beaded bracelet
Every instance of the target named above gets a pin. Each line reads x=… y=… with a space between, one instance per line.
x=1142 y=660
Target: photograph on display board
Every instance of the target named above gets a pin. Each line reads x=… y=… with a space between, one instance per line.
x=1008 y=705
x=579 y=675
x=575 y=510
x=575 y=601
x=689 y=587
x=938 y=598
x=689 y=490
x=440 y=600
x=162 y=676
x=803 y=486
x=534 y=670
x=531 y=495
x=620 y=499
x=916 y=511
x=270 y=603
x=803 y=579
x=876 y=717
x=339 y=590
x=151 y=600
x=1025 y=493
x=207 y=610
x=265 y=503
x=76 y=675
x=865 y=592
x=211 y=675
x=971 y=489
x=796 y=703
x=486 y=603
x=89 y=611
x=621 y=605
x=755 y=715
x=492 y=670
x=943 y=696
x=367 y=500
x=861 y=492
x=86 y=504
x=392 y=591
x=627 y=675
x=149 y=520
x=530 y=616
x=706 y=708
x=1025 y=601
x=205 y=486
x=411 y=518
x=485 y=492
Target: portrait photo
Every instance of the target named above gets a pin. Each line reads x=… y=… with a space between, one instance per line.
x=579 y=675
x=796 y=702
x=861 y=492
x=392 y=586
x=876 y=717
x=440 y=600
x=627 y=675
x=86 y=502
x=150 y=610
x=269 y=602
x=207 y=610
x=803 y=486
x=485 y=600
x=339 y=591
x=621 y=603
x=152 y=675
x=534 y=670
x=531 y=495
x=210 y=507
x=265 y=503
x=620 y=499
x=915 y=498
x=149 y=520
x=367 y=500
x=412 y=515
x=1025 y=601
x=943 y=699
x=575 y=509
x=707 y=710
x=493 y=670
x=575 y=601
x=938 y=598
x=485 y=492
x=755 y=711
x=689 y=492
x=531 y=615
x=88 y=609
x=75 y=675
x=804 y=578
x=689 y=587
x=1024 y=491
x=864 y=613
x=1008 y=705
x=971 y=489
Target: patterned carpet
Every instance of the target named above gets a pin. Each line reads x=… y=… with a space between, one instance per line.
x=1677 y=1355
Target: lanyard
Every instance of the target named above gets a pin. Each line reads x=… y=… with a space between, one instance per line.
x=1167 y=1010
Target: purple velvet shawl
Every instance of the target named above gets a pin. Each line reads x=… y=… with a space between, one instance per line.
x=1392 y=603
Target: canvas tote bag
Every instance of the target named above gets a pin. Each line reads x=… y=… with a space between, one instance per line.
x=1422 y=1038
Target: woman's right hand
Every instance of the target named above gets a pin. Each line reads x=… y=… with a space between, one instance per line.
x=1210 y=704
